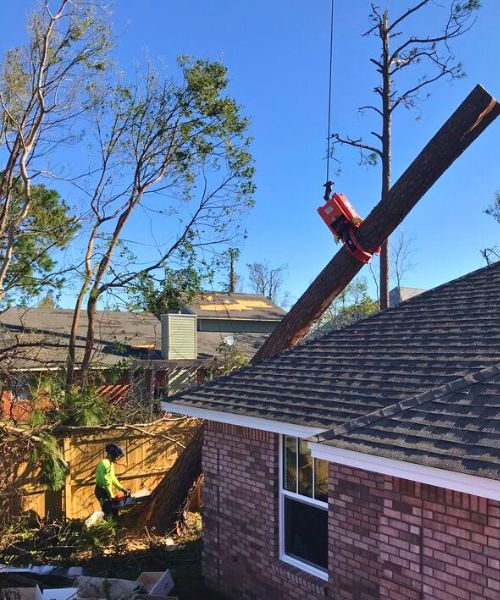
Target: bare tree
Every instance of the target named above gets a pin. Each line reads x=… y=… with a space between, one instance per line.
x=402 y=257
x=408 y=64
x=266 y=280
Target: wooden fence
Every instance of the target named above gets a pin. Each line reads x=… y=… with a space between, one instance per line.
x=149 y=453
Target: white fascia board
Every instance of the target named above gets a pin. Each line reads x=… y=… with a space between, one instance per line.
x=451 y=480
x=301 y=431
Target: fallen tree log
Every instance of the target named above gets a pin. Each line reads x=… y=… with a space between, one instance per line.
x=470 y=119
x=163 y=511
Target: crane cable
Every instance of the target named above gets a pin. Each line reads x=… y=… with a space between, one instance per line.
x=330 y=94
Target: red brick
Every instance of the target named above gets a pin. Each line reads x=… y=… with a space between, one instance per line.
x=388 y=538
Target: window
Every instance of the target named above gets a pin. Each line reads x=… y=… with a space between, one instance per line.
x=303 y=507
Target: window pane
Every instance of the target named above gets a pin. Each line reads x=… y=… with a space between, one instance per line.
x=306 y=533
x=290 y=463
x=305 y=470
x=321 y=479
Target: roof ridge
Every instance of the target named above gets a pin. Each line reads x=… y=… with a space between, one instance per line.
x=400 y=306
x=428 y=396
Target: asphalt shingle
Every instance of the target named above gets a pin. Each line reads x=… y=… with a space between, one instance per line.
x=119 y=335
x=454 y=427
x=428 y=341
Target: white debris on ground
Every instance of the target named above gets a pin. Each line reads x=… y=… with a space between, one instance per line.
x=155 y=585
x=94 y=518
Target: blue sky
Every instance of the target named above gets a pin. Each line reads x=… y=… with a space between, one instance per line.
x=277 y=56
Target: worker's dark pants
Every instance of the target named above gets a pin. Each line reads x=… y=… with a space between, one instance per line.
x=106 y=502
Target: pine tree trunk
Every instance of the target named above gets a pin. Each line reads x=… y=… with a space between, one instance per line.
x=470 y=119
x=386 y=157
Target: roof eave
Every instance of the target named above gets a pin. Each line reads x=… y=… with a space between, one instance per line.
x=452 y=480
x=217 y=416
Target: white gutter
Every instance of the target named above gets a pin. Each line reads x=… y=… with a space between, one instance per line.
x=218 y=416
x=451 y=480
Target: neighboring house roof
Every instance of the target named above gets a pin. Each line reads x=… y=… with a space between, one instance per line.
x=209 y=341
x=401 y=294
x=119 y=334
x=428 y=341
x=219 y=305
x=455 y=427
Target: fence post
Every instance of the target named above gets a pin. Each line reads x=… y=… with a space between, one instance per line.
x=68 y=494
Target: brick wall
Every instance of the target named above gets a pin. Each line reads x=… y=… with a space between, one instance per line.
x=454 y=548
x=240 y=524
x=389 y=538
x=356 y=503
x=392 y=538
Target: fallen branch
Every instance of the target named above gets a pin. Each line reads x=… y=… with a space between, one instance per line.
x=129 y=427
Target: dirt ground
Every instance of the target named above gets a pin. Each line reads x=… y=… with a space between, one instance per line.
x=111 y=554
x=184 y=564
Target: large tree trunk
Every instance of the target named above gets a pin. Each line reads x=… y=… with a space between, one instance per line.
x=386 y=157
x=164 y=508
x=470 y=119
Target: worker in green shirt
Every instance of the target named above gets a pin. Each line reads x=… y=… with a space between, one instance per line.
x=106 y=480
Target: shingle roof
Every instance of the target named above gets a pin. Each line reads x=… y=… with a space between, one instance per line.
x=454 y=427
x=119 y=334
x=219 y=305
x=209 y=341
x=428 y=341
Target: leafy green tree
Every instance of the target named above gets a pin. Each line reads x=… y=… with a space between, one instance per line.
x=353 y=304
x=48 y=455
x=168 y=294
x=49 y=226
x=41 y=99
x=175 y=146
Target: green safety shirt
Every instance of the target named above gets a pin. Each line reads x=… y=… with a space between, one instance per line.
x=105 y=477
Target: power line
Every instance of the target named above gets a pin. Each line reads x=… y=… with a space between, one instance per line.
x=330 y=70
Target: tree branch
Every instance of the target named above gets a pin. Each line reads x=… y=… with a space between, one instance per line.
x=356 y=143
x=407 y=14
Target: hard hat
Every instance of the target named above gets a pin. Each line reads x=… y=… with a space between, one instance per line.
x=114 y=451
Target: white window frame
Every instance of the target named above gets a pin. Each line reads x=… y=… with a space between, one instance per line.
x=317 y=572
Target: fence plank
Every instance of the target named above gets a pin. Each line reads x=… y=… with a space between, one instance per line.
x=146 y=462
